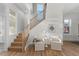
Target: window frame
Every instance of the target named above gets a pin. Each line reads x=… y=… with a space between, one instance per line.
x=67 y=26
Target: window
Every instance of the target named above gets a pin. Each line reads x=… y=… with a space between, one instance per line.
x=12 y=22
x=67 y=23
x=39 y=8
x=40 y=11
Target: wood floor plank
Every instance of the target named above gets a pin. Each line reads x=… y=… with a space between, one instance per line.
x=69 y=49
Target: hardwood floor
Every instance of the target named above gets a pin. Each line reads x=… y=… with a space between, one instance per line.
x=69 y=49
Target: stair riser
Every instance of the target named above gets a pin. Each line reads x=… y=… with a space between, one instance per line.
x=18 y=37
x=18 y=40
x=15 y=49
x=16 y=44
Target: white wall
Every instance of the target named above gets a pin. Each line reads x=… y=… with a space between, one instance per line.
x=20 y=22
x=55 y=11
x=2 y=9
x=3 y=15
x=73 y=35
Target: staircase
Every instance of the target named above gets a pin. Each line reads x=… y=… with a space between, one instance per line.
x=19 y=43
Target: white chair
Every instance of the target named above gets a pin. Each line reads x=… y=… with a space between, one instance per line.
x=56 y=44
x=39 y=46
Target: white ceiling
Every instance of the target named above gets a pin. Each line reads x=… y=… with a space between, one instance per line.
x=71 y=7
x=65 y=7
x=21 y=6
x=68 y=7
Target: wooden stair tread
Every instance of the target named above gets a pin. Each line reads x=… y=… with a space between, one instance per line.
x=19 y=40
x=16 y=47
x=19 y=43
